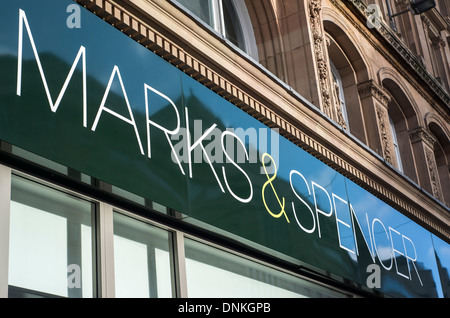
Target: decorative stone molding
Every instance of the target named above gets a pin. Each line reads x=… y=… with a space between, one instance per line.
x=371 y=89
x=384 y=134
x=141 y=32
x=315 y=8
x=329 y=91
x=432 y=170
x=421 y=134
x=441 y=43
x=426 y=21
x=429 y=27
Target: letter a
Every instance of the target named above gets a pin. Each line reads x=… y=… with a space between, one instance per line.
x=73 y=20
x=102 y=108
x=74 y=279
x=373 y=280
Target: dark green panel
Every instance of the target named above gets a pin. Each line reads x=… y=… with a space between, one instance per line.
x=114 y=152
x=271 y=224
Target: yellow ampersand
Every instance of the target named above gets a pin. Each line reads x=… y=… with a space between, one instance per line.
x=269 y=181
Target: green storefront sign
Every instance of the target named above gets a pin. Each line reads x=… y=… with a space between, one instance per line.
x=89 y=97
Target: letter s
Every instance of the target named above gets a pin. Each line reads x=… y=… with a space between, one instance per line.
x=244 y=200
x=303 y=201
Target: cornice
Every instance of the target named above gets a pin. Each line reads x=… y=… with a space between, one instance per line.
x=413 y=204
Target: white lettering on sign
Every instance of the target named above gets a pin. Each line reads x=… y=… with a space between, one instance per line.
x=243 y=200
x=388 y=247
x=348 y=227
x=309 y=231
x=166 y=131
x=102 y=108
x=81 y=55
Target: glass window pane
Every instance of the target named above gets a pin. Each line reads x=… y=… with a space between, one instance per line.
x=214 y=273
x=339 y=92
x=50 y=242
x=233 y=28
x=203 y=9
x=396 y=146
x=142 y=264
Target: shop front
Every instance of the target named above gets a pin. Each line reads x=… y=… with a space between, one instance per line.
x=106 y=110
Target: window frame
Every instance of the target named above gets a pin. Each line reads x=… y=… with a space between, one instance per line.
x=219 y=29
x=103 y=247
x=398 y=156
x=248 y=259
x=343 y=105
x=95 y=210
x=157 y=227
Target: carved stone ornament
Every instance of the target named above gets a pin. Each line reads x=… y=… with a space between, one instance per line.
x=421 y=134
x=319 y=51
x=432 y=169
x=371 y=89
x=385 y=141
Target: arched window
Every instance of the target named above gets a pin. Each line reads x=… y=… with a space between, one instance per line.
x=347 y=69
x=229 y=18
x=403 y=121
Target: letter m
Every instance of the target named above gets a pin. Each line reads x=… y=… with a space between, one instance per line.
x=81 y=55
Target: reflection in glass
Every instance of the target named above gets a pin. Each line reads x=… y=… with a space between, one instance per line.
x=396 y=145
x=142 y=265
x=215 y=273
x=203 y=9
x=442 y=252
x=339 y=93
x=233 y=28
x=50 y=242
x=220 y=15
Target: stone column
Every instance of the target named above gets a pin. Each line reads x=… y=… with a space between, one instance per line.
x=423 y=147
x=374 y=102
x=297 y=46
x=321 y=57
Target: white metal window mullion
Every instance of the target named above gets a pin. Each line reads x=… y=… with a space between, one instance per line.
x=106 y=250
x=219 y=23
x=396 y=147
x=5 y=204
x=180 y=265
